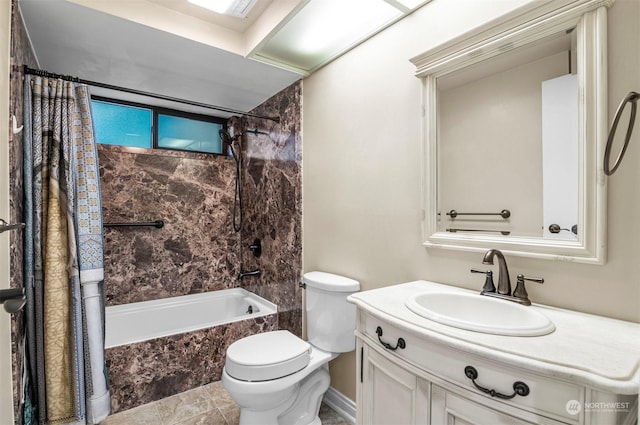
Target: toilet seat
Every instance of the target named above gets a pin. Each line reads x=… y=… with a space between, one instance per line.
x=267 y=356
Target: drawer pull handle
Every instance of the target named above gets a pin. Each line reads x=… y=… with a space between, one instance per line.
x=399 y=344
x=519 y=387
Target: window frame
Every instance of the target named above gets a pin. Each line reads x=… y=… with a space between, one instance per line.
x=156 y=110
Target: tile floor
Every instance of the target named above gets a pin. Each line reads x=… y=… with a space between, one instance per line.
x=207 y=405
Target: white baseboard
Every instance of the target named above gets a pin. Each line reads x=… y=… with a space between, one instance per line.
x=342 y=404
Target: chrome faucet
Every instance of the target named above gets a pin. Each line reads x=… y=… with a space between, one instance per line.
x=504 y=283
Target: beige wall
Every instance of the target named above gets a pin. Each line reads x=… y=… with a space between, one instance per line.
x=362 y=179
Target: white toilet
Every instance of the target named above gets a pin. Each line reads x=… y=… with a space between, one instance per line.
x=276 y=377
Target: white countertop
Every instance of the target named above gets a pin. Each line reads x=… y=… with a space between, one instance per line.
x=595 y=351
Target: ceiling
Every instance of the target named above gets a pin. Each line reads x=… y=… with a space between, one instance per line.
x=178 y=49
x=235 y=24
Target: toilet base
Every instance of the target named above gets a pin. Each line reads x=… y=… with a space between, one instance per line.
x=316 y=421
x=305 y=408
x=300 y=408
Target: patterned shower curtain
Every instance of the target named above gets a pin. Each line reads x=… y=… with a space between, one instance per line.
x=66 y=376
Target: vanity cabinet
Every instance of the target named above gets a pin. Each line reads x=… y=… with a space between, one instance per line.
x=393 y=391
x=413 y=371
x=392 y=394
x=451 y=408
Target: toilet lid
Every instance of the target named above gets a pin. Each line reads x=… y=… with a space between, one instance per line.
x=266 y=356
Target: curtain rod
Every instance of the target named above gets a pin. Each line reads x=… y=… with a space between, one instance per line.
x=43 y=73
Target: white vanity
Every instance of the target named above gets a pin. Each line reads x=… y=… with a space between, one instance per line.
x=414 y=370
x=434 y=354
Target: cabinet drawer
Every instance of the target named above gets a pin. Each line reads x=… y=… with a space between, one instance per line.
x=548 y=397
x=449 y=407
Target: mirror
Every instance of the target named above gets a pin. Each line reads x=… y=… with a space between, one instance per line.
x=514 y=126
x=518 y=116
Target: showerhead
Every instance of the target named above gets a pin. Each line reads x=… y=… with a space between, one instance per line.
x=226 y=138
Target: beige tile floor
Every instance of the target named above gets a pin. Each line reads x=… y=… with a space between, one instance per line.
x=207 y=405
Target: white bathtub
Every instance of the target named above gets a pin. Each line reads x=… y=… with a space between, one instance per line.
x=141 y=321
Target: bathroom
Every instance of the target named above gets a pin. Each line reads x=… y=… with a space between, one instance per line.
x=357 y=208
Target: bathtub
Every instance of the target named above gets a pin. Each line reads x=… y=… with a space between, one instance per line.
x=141 y=321
x=155 y=349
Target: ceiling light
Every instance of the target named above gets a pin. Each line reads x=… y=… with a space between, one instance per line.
x=235 y=8
x=323 y=30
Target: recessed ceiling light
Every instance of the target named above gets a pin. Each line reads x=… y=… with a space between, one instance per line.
x=235 y=8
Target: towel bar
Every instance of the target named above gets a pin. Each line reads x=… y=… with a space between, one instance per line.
x=504 y=214
x=158 y=224
x=503 y=232
x=4 y=226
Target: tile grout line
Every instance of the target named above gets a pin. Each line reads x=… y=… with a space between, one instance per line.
x=155 y=409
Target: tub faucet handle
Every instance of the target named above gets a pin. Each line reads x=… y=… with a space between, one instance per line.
x=256 y=247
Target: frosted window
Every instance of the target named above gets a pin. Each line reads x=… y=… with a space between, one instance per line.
x=117 y=124
x=188 y=134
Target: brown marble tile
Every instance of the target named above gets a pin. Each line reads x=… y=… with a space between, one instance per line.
x=272 y=198
x=196 y=249
x=152 y=370
x=21 y=53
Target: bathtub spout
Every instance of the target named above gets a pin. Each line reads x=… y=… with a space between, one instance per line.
x=245 y=274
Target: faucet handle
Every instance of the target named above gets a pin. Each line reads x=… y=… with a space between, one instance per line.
x=521 y=291
x=488 y=283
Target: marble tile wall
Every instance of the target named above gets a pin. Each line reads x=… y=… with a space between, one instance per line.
x=196 y=250
x=21 y=54
x=152 y=370
x=272 y=198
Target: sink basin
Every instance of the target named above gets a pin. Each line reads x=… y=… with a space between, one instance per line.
x=480 y=313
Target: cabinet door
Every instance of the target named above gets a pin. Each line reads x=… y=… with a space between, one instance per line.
x=390 y=395
x=452 y=409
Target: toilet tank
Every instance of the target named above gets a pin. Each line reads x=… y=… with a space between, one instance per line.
x=331 y=320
